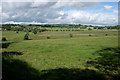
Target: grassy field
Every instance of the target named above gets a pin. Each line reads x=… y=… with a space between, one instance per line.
x=60 y=50
x=13 y=36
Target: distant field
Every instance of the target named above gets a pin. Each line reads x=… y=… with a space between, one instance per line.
x=11 y=35
x=60 y=50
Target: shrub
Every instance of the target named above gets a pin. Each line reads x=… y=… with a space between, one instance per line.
x=35 y=31
x=17 y=31
x=90 y=35
x=5 y=44
x=106 y=34
x=70 y=35
x=4 y=39
x=26 y=37
x=48 y=37
x=89 y=29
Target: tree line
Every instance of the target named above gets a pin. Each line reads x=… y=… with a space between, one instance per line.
x=53 y=27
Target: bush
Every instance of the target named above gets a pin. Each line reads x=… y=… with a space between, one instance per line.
x=17 y=31
x=35 y=31
x=89 y=29
x=70 y=35
x=48 y=37
x=26 y=37
x=5 y=44
x=90 y=35
x=106 y=34
x=4 y=39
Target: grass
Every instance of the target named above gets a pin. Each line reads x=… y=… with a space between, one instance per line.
x=60 y=50
x=60 y=57
x=11 y=35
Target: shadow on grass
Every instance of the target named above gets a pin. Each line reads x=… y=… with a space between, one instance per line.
x=14 y=69
x=5 y=44
x=11 y=53
x=108 y=62
x=71 y=74
x=18 y=70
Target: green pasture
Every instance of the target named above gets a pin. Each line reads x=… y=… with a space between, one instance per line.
x=60 y=50
x=13 y=36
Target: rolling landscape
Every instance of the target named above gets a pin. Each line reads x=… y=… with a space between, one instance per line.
x=68 y=50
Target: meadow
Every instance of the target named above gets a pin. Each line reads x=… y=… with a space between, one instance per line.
x=60 y=50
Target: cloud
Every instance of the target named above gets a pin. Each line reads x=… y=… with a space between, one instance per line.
x=54 y=12
x=108 y=7
x=60 y=0
x=45 y=3
x=85 y=17
x=115 y=11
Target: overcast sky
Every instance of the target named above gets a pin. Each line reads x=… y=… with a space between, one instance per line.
x=60 y=12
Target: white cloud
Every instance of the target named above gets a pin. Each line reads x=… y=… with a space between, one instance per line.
x=53 y=12
x=85 y=17
x=5 y=16
x=61 y=13
x=108 y=7
x=115 y=11
x=97 y=18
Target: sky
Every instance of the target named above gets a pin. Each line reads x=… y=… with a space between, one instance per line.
x=94 y=12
